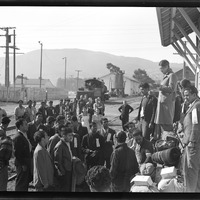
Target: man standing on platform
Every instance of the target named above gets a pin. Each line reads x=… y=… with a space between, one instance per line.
x=147 y=110
x=166 y=101
x=191 y=140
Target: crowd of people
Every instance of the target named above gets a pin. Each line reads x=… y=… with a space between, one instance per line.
x=71 y=146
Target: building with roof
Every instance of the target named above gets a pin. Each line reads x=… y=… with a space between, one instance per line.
x=130 y=84
x=188 y=74
x=33 y=83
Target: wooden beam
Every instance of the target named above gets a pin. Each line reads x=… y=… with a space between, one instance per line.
x=178 y=48
x=189 y=21
x=187 y=37
x=189 y=52
x=173 y=13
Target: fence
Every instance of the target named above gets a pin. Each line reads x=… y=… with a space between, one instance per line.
x=37 y=94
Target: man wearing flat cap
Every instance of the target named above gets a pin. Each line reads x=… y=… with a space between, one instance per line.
x=123 y=165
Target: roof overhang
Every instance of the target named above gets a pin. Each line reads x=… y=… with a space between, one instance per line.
x=175 y=25
x=167 y=27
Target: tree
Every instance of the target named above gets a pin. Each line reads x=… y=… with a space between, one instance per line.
x=142 y=76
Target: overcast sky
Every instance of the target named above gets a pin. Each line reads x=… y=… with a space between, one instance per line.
x=124 y=31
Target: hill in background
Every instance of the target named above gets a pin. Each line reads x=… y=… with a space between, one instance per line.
x=91 y=64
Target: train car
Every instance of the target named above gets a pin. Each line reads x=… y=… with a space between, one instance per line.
x=94 y=88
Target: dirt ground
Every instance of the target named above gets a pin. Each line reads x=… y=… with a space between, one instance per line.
x=111 y=112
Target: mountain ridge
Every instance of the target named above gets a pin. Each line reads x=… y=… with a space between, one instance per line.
x=90 y=63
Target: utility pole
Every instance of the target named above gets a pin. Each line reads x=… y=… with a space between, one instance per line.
x=40 y=64
x=65 y=70
x=14 y=60
x=77 y=77
x=22 y=80
x=8 y=40
x=7 y=60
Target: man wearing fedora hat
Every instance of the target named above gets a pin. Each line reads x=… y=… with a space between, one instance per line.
x=5 y=153
x=20 y=110
x=123 y=165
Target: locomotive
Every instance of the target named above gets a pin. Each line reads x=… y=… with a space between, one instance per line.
x=94 y=88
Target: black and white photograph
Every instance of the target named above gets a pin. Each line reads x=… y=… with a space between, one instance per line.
x=99 y=99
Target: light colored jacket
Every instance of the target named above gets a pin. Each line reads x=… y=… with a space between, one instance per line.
x=166 y=99
x=43 y=170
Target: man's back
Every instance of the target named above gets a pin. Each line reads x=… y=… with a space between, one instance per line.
x=123 y=166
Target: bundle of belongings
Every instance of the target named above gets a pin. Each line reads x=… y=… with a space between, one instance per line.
x=167 y=151
x=143 y=182
x=170 y=181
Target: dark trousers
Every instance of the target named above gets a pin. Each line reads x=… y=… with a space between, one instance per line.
x=124 y=121
x=159 y=128
x=3 y=178
x=65 y=182
x=107 y=161
x=23 y=178
x=144 y=127
x=93 y=161
x=90 y=118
